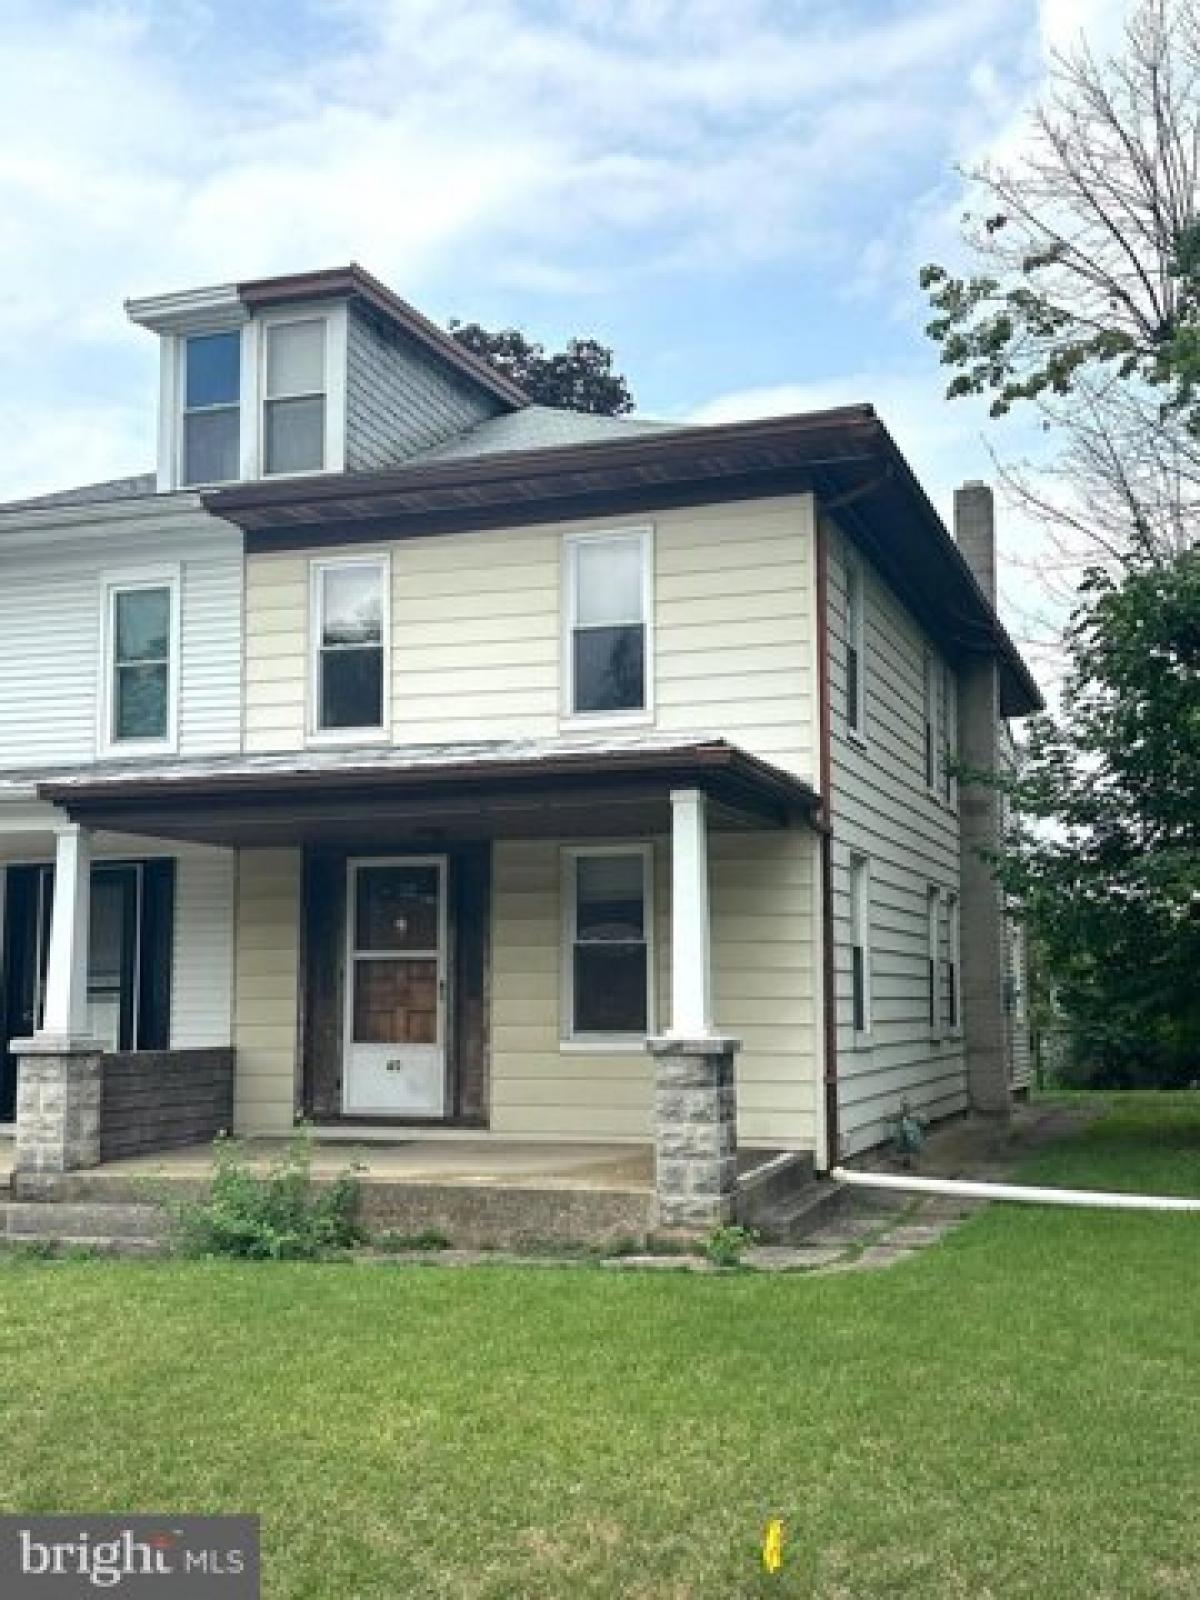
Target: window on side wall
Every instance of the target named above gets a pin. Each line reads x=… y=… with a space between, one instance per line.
x=609 y=955
x=141 y=648
x=349 y=630
x=933 y=907
x=294 y=396
x=860 y=944
x=212 y=379
x=855 y=652
x=953 y=995
x=950 y=736
x=607 y=624
x=930 y=723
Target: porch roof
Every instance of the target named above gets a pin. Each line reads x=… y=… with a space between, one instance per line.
x=576 y=786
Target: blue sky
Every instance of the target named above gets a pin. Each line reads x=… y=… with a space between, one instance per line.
x=736 y=194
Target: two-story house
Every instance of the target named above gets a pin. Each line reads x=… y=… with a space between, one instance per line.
x=474 y=770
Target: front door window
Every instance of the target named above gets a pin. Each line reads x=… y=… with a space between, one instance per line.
x=395 y=976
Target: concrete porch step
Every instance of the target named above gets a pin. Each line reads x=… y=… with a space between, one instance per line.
x=77 y=1223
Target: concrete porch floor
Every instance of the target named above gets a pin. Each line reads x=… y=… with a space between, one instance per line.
x=468 y=1163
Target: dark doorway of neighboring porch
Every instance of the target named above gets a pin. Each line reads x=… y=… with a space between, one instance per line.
x=129 y=966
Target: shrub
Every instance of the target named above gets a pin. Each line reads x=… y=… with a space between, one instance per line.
x=724 y=1245
x=279 y=1215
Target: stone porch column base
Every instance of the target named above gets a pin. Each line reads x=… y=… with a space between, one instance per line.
x=58 y=1105
x=695 y=1130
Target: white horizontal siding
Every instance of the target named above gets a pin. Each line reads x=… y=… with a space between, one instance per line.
x=202 y=966
x=51 y=598
x=882 y=810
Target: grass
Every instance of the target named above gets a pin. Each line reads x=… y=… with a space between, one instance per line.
x=1013 y=1413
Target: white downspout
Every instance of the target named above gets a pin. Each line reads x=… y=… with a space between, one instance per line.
x=1024 y=1194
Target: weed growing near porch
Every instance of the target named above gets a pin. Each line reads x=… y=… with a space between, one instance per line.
x=280 y=1215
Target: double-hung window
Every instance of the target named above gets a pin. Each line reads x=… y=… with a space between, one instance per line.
x=860 y=944
x=855 y=651
x=212 y=377
x=294 y=396
x=933 y=918
x=949 y=735
x=607 y=623
x=930 y=751
x=141 y=629
x=349 y=627
x=953 y=961
x=609 y=955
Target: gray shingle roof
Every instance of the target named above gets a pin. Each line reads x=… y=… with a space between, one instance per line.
x=132 y=488
x=537 y=428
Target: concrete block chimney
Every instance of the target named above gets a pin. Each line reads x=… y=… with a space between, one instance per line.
x=984 y=992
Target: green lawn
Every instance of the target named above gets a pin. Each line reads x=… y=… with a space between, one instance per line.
x=1016 y=1412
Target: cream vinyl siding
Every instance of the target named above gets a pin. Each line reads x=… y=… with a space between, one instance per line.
x=883 y=810
x=763 y=971
x=202 y=963
x=476 y=634
x=266 y=989
x=51 y=612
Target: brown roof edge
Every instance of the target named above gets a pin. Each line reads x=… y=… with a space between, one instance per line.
x=354 y=281
x=563 y=458
x=710 y=757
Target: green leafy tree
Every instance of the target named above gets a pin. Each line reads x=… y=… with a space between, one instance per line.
x=1106 y=864
x=580 y=377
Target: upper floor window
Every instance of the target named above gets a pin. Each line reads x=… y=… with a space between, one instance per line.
x=607 y=623
x=141 y=629
x=294 y=396
x=855 y=650
x=349 y=626
x=609 y=956
x=212 y=377
x=930 y=724
x=949 y=735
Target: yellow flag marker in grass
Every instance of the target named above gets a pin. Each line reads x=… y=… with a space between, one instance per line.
x=773 y=1545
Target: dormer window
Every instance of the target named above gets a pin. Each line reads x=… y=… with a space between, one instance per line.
x=294 y=393
x=212 y=373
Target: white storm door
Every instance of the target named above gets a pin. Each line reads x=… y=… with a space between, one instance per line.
x=395 y=1024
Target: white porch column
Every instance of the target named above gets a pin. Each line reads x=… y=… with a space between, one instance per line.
x=64 y=1014
x=60 y=1076
x=691 y=953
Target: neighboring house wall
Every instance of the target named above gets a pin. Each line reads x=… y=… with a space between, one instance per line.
x=476 y=633
x=399 y=398
x=52 y=576
x=266 y=990
x=202 y=967
x=882 y=810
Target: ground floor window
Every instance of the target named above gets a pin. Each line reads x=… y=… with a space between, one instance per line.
x=860 y=943
x=608 y=955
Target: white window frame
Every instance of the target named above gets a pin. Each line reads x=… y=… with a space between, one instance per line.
x=856 y=640
x=603 y=1043
x=933 y=961
x=381 y=560
x=335 y=324
x=124 y=582
x=949 y=736
x=571 y=544
x=953 y=995
x=227 y=319
x=860 y=934
x=179 y=402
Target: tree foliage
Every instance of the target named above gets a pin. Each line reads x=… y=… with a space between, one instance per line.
x=580 y=377
x=1087 y=306
x=1106 y=866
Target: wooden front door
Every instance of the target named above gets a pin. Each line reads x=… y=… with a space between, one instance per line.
x=395 y=997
